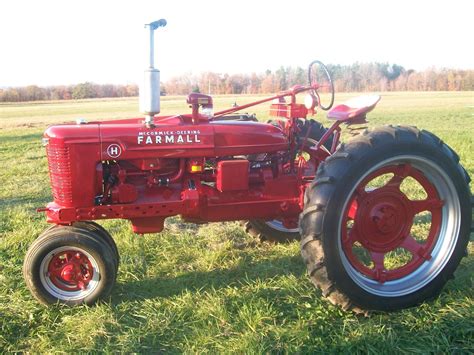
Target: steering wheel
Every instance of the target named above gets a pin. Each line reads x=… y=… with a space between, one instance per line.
x=321 y=81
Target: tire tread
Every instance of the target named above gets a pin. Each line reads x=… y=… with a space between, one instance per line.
x=324 y=186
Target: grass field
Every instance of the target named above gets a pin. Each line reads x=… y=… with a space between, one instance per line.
x=211 y=288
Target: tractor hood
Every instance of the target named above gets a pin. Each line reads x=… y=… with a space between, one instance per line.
x=169 y=138
x=131 y=140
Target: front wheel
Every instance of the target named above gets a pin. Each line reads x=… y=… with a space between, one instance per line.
x=387 y=220
x=70 y=265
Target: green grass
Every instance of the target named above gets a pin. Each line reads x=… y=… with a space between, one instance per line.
x=211 y=287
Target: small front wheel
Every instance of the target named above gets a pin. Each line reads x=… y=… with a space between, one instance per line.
x=69 y=265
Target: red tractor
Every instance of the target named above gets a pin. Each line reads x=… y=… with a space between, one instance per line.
x=355 y=206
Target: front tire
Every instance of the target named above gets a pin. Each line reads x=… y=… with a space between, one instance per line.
x=99 y=232
x=387 y=220
x=71 y=266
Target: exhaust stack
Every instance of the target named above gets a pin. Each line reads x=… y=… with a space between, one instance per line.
x=150 y=90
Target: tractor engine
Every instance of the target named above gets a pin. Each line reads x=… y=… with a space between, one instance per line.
x=212 y=171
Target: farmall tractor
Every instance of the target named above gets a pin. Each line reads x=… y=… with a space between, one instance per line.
x=356 y=207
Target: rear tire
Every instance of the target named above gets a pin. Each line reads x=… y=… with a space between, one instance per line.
x=69 y=265
x=345 y=222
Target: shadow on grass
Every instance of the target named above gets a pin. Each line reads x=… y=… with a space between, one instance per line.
x=246 y=271
x=442 y=333
x=450 y=334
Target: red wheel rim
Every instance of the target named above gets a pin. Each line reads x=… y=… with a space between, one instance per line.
x=70 y=270
x=382 y=221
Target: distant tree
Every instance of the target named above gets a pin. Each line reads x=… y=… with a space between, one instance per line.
x=281 y=80
x=11 y=95
x=254 y=84
x=300 y=77
x=33 y=93
x=83 y=91
x=467 y=78
x=390 y=73
x=162 y=90
x=268 y=84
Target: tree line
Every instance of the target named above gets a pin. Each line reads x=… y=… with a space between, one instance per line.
x=85 y=90
x=347 y=78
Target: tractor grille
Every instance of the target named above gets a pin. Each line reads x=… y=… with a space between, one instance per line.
x=60 y=173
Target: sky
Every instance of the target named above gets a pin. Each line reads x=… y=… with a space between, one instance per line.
x=64 y=42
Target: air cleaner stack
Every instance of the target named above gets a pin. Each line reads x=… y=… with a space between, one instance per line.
x=150 y=90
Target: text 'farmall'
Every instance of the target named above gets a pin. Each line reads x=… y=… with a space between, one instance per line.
x=170 y=137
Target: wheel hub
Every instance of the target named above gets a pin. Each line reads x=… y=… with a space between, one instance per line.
x=386 y=219
x=67 y=273
x=70 y=271
x=379 y=222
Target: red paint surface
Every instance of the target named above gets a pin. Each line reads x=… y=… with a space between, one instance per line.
x=125 y=169
x=382 y=222
x=70 y=270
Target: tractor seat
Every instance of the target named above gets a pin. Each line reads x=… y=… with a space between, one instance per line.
x=354 y=109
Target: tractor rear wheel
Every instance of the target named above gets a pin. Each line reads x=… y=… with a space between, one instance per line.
x=386 y=220
x=274 y=231
x=70 y=265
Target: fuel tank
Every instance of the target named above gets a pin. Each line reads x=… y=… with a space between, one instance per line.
x=170 y=138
